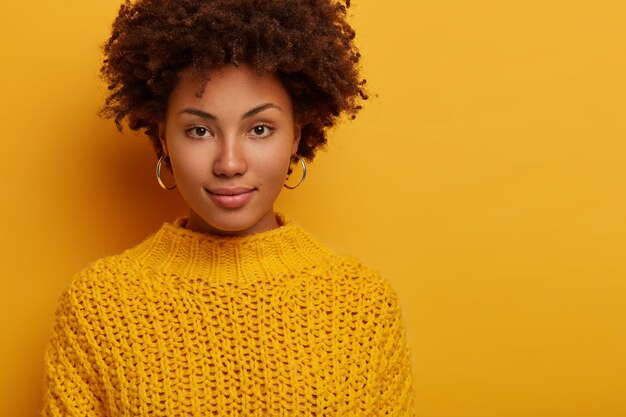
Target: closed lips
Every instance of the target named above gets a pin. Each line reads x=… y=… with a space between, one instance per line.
x=231 y=198
x=230 y=191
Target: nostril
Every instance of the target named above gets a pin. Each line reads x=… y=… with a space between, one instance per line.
x=230 y=164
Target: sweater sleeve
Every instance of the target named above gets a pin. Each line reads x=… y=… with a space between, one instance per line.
x=71 y=386
x=394 y=389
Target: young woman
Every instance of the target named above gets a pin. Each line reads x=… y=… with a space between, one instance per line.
x=233 y=310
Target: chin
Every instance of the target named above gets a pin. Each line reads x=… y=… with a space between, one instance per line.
x=233 y=224
x=233 y=229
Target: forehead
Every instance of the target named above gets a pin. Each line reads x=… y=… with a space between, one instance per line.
x=230 y=87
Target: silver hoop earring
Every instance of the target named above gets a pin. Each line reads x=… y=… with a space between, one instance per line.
x=158 y=173
x=303 y=164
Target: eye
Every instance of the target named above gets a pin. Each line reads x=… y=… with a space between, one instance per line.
x=261 y=130
x=198 y=132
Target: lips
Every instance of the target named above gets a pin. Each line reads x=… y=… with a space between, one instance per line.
x=231 y=197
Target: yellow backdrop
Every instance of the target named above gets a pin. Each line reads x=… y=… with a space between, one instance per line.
x=486 y=180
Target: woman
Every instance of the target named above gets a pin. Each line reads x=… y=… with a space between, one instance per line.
x=233 y=310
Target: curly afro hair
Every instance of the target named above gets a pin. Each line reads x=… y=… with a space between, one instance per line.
x=307 y=44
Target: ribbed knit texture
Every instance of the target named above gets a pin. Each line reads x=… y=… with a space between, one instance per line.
x=190 y=324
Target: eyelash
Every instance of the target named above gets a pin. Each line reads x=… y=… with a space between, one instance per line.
x=192 y=131
x=267 y=126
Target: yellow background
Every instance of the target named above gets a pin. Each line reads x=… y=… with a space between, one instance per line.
x=486 y=180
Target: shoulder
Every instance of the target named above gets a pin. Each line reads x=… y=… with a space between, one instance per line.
x=363 y=285
x=103 y=279
x=350 y=268
x=102 y=275
x=100 y=294
x=103 y=272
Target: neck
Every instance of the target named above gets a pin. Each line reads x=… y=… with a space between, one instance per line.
x=181 y=252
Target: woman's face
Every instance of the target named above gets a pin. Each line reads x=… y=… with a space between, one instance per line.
x=230 y=143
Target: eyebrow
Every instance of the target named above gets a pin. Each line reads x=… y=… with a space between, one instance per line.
x=208 y=116
x=259 y=109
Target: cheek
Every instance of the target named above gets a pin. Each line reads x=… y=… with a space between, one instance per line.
x=188 y=165
x=274 y=167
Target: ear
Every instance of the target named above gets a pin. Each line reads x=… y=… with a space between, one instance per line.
x=297 y=134
x=161 y=126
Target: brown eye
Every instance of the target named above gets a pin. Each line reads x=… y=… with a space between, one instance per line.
x=261 y=131
x=198 y=132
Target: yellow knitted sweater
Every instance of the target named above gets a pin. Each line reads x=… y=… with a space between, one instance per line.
x=190 y=324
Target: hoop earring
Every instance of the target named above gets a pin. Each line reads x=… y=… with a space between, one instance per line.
x=303 y=164
x=158 y=174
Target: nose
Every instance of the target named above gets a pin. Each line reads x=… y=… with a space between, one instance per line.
x=230 y=160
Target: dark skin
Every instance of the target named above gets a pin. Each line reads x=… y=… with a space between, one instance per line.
x=307 y=45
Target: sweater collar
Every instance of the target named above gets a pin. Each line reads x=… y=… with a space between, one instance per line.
x=278 y=252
